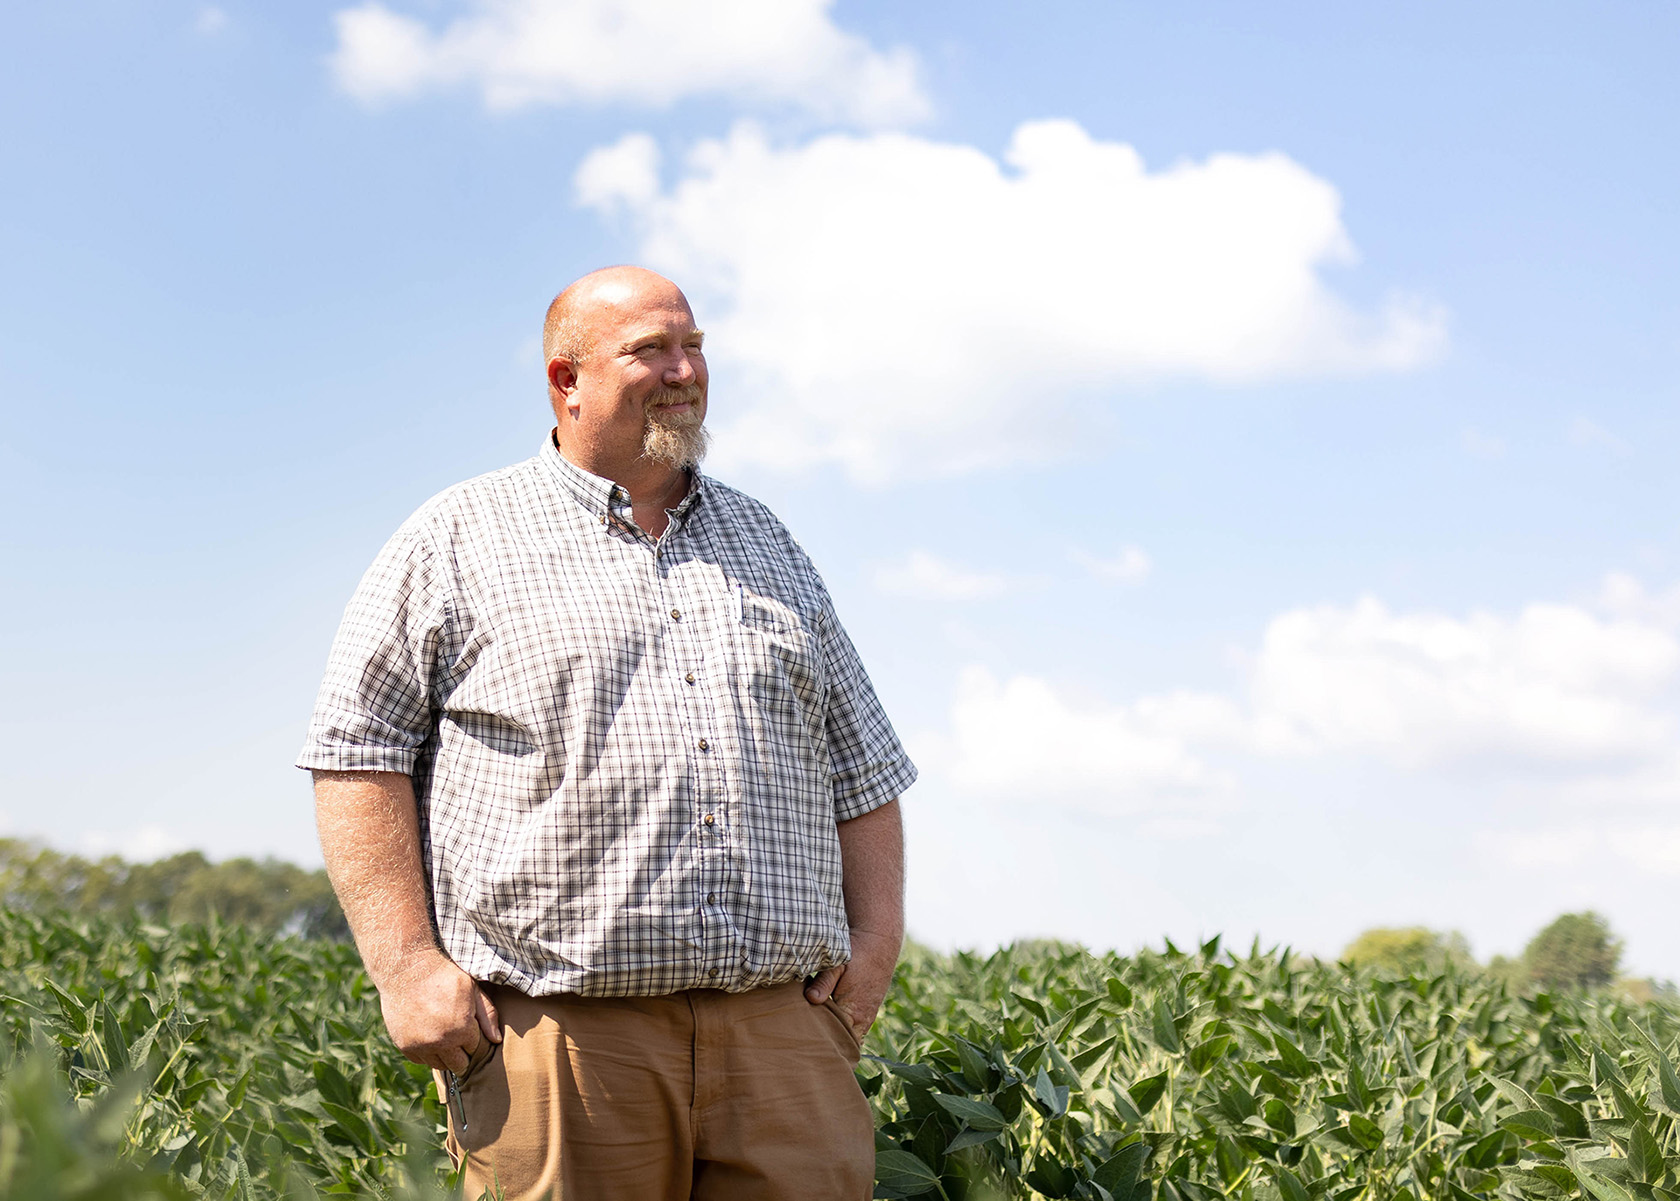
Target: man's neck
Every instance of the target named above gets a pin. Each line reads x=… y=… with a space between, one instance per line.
x=653 y=487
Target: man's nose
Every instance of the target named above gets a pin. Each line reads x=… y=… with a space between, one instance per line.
x=679 y=370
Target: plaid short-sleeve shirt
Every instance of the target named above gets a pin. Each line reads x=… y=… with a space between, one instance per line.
x=630 y=755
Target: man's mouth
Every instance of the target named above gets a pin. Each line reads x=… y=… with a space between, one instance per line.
x=680 y=403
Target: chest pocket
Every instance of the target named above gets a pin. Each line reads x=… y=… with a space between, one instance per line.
x=781 y=658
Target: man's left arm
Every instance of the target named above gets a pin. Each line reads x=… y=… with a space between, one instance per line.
x=872 y=880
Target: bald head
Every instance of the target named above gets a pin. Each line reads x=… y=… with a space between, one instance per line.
x=626 y=376
x=572 y=328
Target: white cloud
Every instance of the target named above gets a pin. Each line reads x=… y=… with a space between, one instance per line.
x=1553 y=685
x=648 y=53
x=1130 y=566
x=1575 y=709
x=1019 y=739
x=1482 y=446
x=896 y=302
x=921 y=574
x=1625 y=597
x=1653 y=849
x=627 y=172
x=1583 y=431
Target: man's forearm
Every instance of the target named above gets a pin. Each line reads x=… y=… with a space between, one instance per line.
x=872 y=875
x=370 y=838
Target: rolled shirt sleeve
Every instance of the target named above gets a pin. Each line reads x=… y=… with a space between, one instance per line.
x=870 y=767
x=375 y=710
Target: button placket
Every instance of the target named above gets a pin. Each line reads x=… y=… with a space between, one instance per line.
x=688 y=619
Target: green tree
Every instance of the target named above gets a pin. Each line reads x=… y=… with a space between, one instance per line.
x=1408 y=950
x=1575 y=951
x=265 y=895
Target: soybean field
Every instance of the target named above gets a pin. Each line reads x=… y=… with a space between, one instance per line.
x=143 y=1059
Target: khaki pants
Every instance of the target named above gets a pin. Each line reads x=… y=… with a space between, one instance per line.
x=702 y=1094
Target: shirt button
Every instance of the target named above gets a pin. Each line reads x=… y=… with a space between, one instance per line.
x=689 y=677
x=713 y=973
x=709 y=819
x=711 y=898
x=676 y=614
x=704 y=745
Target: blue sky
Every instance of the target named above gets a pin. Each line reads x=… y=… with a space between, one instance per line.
x=1239 y=439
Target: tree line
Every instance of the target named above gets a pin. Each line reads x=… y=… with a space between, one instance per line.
x=1576 y=950
x=266 y=894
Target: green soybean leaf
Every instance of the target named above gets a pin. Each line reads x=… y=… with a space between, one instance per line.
x=1162 y=1027
x=1567 y=1118
x=1605 y=1068
x=915 y=1073
x=1530 y=1124
x=1295 y=1061
x=978 y=1114
x=1209 y=1051
x=1031 y=1006
x=1119 y=1173
x=334 y=1087
x=1670 y=1084
x=904 y=1173
x=1088 y=1058
x=1052 y=1096
x=1052 y=1178
x=1645 y=1157
x=1290 y=1186
x=1514 y=1093
x=970 y=1138
x=1123 y=1106
x=1365 y=1132
x=1146 y=1092
x=1230 y=1160
x=976 y=1070
x=1603 y=1189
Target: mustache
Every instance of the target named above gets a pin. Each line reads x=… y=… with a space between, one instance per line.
x=683 y=394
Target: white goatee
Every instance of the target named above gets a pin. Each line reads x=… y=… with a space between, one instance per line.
x=676 y=439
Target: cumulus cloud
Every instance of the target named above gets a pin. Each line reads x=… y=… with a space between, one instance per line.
x=1021 y=739
x=648 y=53
x=1653 y=849
x=1552 y=685
x=1625 y=597
x=1576 y=708
x=924 y=575
x=893 y=301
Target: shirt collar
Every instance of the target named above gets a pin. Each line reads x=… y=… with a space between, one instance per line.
x=604 y=499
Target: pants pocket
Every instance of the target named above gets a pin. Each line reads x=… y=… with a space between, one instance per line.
x=477 y=1060
x=839 y=1015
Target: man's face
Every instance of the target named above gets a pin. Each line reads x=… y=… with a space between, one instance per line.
x=641 y=390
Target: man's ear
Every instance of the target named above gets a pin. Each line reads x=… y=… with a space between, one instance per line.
x=562 y=382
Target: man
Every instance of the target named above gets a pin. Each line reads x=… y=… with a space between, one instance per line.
x=610 y=804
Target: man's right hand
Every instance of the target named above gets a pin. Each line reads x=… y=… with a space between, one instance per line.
x=436 y=1013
